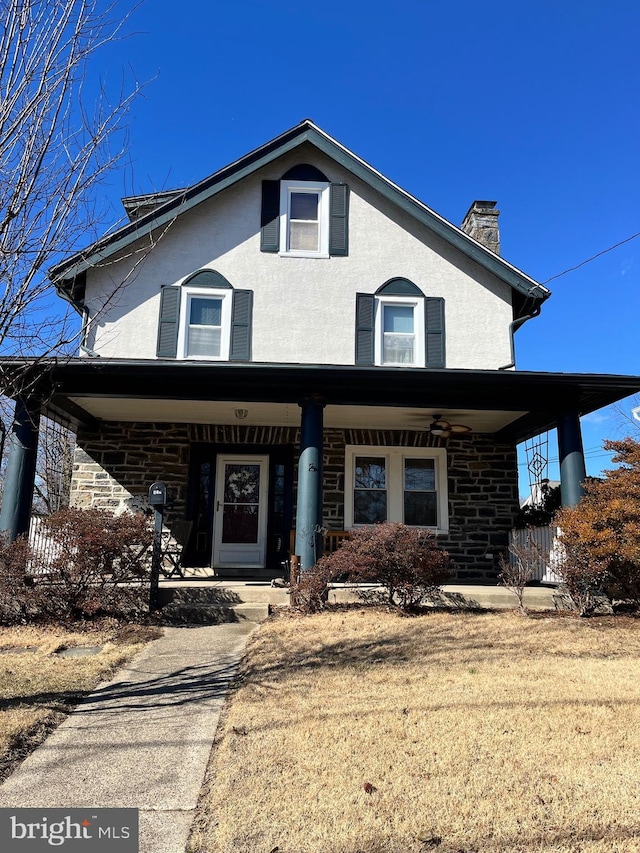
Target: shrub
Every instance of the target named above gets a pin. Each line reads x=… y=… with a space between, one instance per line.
x=99 y=561
x=518 y=568
x=96 y=564
x=402 y=559
x=18 y=598
x=311 y=591
x=600 y=536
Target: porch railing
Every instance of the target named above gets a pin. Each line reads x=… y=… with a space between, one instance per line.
x=44 y=548
x=545 y=539
x=331 y=540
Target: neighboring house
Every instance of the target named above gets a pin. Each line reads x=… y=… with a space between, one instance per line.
x=290 y=329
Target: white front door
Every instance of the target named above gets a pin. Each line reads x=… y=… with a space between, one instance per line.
x=240 y=512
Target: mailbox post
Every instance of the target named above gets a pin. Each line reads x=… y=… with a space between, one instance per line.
x=157 y=500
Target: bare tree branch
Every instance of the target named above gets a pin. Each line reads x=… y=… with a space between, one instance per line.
x=56 y=149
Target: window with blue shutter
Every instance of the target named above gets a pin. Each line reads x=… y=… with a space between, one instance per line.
x=241 y=316
x=398 y=326
x=205 y=319
x=168 y=323
x=305 y=215
x=365 y=310
x=270 y=217
x=434 y=332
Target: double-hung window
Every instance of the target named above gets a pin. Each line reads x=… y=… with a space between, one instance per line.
x=304 y=219
x=399 y=334
x=396 y=484
x=205 y=326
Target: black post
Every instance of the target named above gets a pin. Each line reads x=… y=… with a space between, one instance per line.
x=156 y=559
x=572 y=464
x=21 y=469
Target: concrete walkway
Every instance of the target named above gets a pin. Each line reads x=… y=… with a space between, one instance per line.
x=141 y=740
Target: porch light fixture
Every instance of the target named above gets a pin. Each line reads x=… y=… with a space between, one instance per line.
x=241 y=414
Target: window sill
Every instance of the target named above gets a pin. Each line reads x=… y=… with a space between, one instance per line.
x=303 y=255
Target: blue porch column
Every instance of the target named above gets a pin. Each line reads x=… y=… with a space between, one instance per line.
x=309 y=503
x=21 y=469
x=571 y=454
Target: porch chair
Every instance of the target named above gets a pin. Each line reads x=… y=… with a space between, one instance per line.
x=174 y=543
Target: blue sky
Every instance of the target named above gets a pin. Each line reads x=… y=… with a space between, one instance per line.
x=532 y=104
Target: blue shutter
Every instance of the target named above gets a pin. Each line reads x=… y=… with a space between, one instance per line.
x=270 y=217
x=339 y=219
x=365 y=313
x=168 y=322
x=434 y=331
x=241 y=316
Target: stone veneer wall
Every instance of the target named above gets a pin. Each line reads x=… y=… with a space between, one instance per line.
x=482 y=484
x=114 y=467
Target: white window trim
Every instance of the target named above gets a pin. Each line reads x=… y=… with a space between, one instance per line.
x=395 y=457
x=187 y=293
x=322 y=189
x=417 y=302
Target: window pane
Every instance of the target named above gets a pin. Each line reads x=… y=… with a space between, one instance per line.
x=420 y=508
x=240 y=524
x=370 y=472
x=206 y=312
x=203 y=341
x=420 y=475
x=397 y=349
x=304 y=206
x=369 y=507
x=370 y=496
x=398 y=318
x=303 y=236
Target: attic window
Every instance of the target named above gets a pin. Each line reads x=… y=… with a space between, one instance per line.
x=303 y=215
x=304 y=219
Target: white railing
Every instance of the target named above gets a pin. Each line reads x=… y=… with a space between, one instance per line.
x=43 y=547
x=545 y=540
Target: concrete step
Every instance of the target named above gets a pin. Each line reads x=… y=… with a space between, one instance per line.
x=214 y=614
x=221 y=593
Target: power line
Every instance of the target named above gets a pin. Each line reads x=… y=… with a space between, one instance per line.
x=588 y=260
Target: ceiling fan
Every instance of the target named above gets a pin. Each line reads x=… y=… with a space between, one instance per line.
x=443 y=429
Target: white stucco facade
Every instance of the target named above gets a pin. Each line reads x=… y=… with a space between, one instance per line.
x=303 y=308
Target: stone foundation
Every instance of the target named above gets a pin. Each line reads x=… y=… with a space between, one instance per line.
x=113 y=469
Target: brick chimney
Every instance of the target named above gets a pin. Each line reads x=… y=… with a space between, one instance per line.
x=481 y=223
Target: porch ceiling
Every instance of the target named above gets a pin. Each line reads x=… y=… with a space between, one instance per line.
x=285 y=414
x=515 y=404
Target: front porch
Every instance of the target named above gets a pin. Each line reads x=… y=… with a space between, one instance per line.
x=252 y=452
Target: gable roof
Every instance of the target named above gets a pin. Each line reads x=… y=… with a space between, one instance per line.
x=177 y=202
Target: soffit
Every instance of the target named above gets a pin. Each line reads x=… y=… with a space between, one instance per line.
x=251 y=413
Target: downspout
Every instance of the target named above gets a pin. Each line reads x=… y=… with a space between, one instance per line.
x=84 y=313
x=513 y=328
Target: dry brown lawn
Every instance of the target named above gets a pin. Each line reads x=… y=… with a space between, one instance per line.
x=477 y=732
x=38 y=687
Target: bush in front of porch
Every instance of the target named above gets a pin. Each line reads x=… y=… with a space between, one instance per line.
x=91 y=564
x=402 y=560
x=600 y=536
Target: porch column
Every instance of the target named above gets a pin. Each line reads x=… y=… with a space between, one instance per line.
x=572 y=465
x=309 y=503
x=21 y=469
